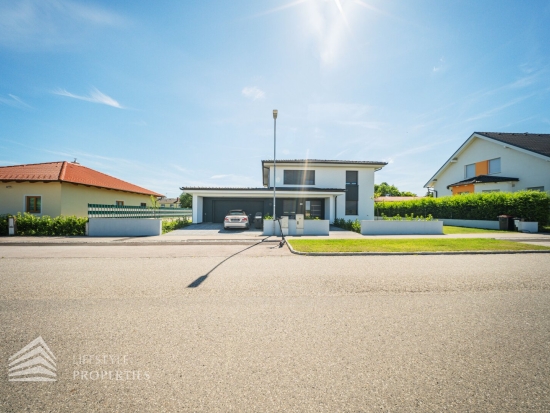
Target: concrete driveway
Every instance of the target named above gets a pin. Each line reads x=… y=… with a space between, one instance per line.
x=210 y=230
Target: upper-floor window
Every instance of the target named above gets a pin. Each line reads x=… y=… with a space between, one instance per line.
x=470 y=171
x=297 y=177
x=494 y=166
x=536 y=188
x=119 y=203
x=33 y=204
x=352 y=192
x=351 y=177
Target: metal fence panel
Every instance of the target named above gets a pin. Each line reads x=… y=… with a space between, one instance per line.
x=125 y=211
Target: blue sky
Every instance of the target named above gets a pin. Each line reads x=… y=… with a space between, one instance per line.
x=173 y=93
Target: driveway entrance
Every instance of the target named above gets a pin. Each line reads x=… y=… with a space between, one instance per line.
x=214 y=230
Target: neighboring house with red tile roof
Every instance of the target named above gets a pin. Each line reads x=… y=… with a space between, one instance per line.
x=64 y=188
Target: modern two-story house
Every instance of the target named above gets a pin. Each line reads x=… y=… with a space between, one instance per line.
x=493 y=161
x=322 y=189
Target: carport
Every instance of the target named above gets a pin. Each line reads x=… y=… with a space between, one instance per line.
x=212 y=204
x=215 y=209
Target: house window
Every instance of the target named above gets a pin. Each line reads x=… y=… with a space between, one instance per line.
x=294 y=177
x=314 y=208
x=491 y=190
x=289 y=206
x=494 y=166
x=33 y=204
x=535 y=188
x=143 y=204
x=352 y=192
x=470 y=171
x=119 y=203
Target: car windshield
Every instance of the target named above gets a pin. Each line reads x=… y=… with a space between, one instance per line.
x=237 y=212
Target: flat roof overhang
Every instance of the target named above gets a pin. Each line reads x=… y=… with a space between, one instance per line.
x=263 y=192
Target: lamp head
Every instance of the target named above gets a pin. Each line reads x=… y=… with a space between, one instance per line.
x=275 y=112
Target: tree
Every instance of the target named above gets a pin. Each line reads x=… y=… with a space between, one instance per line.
x=186 y=200
x=384 y=189
x=154 y=202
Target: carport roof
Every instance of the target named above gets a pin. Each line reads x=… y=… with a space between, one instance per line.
x=323 y=161
x=292 y=189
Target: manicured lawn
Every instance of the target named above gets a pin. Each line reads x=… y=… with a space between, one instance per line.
x=409 y=245
x=463 y=230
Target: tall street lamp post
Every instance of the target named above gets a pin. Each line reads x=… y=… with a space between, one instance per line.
x=275 y=112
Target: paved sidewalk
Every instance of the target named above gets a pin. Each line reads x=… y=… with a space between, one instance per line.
x=214 y=234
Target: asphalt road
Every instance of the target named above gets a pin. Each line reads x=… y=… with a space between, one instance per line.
x=230 y=329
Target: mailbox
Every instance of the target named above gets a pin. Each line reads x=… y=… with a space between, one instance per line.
x=284 y=222
x=11 y=225
x=299 y=221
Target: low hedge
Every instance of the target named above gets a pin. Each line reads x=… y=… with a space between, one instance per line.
x=529 y=205
x=28 y=224
x=350 y=225
x=171 y=225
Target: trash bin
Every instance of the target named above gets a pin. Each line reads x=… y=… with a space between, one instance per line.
x=258 y=221
x=506 y=223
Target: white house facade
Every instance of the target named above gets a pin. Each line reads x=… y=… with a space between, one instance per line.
x=321 y=189
x=492 y=161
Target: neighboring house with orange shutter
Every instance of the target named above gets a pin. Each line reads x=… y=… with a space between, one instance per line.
x=64 y=188
x=492 y=162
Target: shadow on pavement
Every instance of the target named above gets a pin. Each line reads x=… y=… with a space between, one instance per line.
x=202 y=278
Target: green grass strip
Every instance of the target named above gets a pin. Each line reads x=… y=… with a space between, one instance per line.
x=409 y=245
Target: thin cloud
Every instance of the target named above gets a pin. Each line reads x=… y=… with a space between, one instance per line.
x=95 y=96
x=14 y=101
x=252 y=92
x=440 y=67
x=491 y=112
x=48 y=23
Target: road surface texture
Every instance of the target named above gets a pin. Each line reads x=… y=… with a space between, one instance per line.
x=237 y=328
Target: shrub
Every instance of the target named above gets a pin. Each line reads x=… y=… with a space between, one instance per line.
x=28 y=224
x=408 y=218
x=348 y=225
x=171 y=225
x=530 y=205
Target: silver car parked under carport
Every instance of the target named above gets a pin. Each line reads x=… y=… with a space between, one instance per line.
x=236 y=218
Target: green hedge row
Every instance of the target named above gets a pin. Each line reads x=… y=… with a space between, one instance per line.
x=530 y=205
x=28 y=224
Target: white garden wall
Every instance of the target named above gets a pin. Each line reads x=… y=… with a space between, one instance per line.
x=124 y=227
x=311 y=227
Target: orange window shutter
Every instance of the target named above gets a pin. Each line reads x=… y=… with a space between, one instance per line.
x=482 y=168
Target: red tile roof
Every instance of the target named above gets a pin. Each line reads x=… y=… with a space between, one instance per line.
x=68 y=172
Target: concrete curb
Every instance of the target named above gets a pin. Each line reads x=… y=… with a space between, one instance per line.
x=358 y=254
